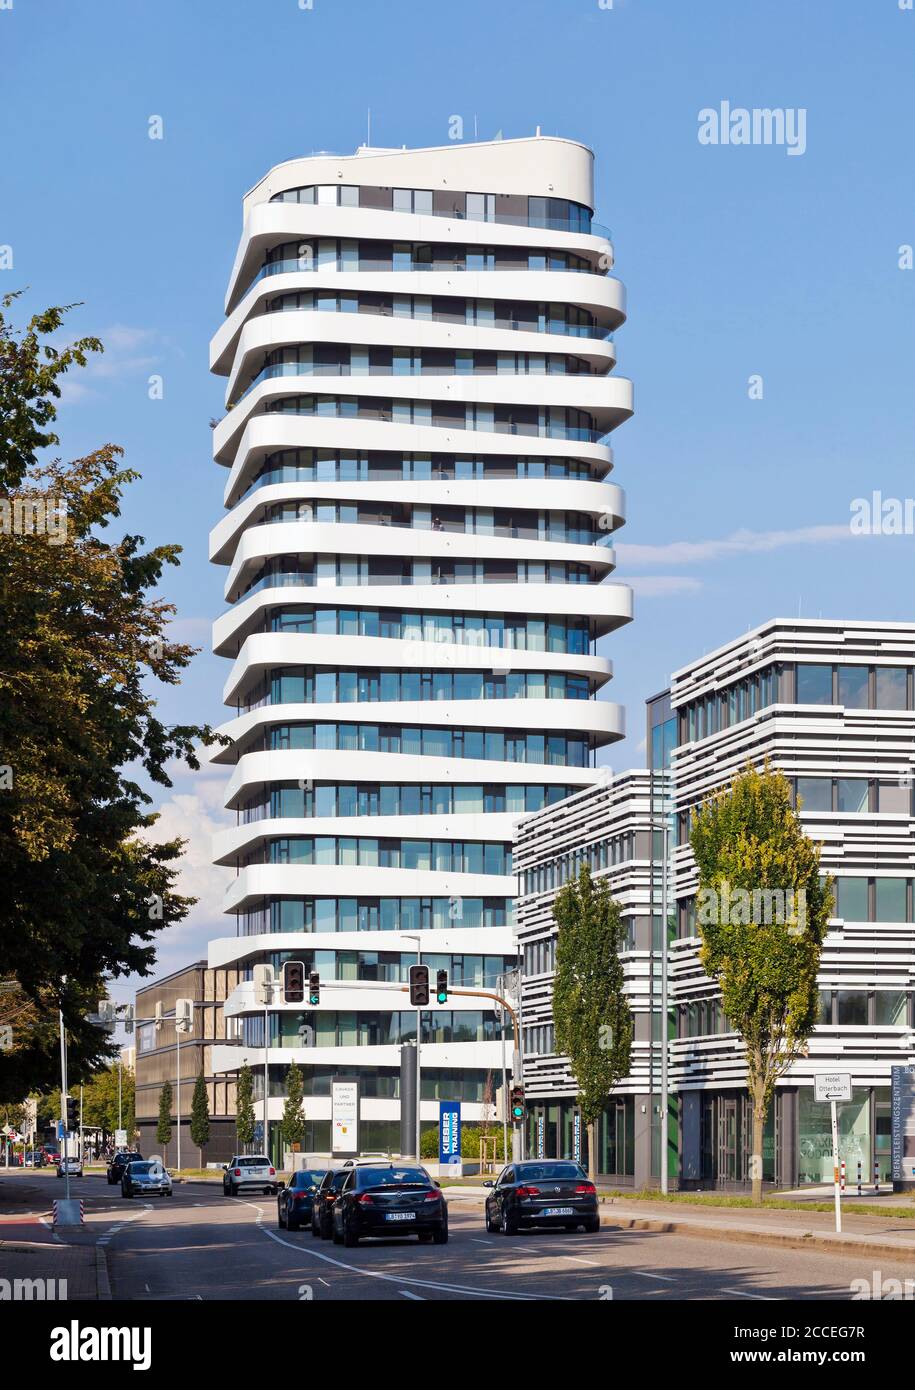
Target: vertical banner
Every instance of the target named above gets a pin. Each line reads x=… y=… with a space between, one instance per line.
x=576 y=1135
x=449 y=1131
x=344 y=1116
x=902 y=1112
x=541 y=1134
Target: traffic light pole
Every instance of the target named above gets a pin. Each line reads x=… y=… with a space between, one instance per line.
x=63 y=1091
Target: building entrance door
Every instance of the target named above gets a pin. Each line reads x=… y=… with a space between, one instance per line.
x=728 y=1138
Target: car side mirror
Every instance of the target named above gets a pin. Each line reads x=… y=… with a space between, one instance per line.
x=280 y=1184
x=489 y=1183
x=437 y=1184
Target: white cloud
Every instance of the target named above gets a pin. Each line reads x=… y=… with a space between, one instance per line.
x=195 y=815
x=738 y=543
x=128 y=351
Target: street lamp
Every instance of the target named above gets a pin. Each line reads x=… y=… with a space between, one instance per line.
x=413 y=936
x=664 y=1127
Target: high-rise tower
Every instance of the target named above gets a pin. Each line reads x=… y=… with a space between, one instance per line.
x=419 y=352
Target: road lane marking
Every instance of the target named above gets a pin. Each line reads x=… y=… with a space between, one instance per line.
x=643 y=1274
x=405 y=1293
x=397 y=1279
x=763 y=1297
x=579 y=1261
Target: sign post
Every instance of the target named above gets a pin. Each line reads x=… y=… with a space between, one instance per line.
x=834 y=1086
x=449 y=1137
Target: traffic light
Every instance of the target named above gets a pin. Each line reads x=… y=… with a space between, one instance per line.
x=129 y=1017
x=314 y=988
x=419 y=986
x=441 y=987
x=72 y=1114
x=294 y=982
x=184 y=1015
x=517 y=1104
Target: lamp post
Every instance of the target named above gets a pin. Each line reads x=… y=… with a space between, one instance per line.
x=663 y=825
x=413 y=936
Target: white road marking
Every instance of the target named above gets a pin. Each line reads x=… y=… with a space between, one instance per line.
x=325 y=1282
x=367 y=1273
x=643 y=1274
x=405 y=1293
x=763 y=1297
x=579 y=1261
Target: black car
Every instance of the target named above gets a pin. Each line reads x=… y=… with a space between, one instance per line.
x=324 y=1198
x=295 y=1202
x=389 y=1199
x=542 y=1192
x=119 y=1163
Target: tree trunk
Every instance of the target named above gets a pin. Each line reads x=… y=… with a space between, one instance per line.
x=592 y=1151
x=756 y=1156
x=200 y=1152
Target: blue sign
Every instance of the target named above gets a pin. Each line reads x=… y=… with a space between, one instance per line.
x=61 y=1132
x=259 y=1132
x=449 y=1130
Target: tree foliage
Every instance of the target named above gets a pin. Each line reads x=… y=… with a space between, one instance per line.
x=245 y=1122
x=292 y=1126
x=87 y=887
x=100 y=1100
x=755 y=862
x=200 y=1115
x=591 y=1014
x=164 y=1122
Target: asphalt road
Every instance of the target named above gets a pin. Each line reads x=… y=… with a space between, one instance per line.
x=200 y=1245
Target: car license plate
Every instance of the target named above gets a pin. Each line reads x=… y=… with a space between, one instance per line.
x=558 y=1211
x=400 y=1216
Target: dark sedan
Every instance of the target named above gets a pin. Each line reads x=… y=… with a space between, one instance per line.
x=390 y=1200
x=295 y=1202
x=118 y=1165
x=322 y=1211
x=542 y=1192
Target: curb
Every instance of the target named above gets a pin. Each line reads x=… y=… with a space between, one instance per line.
x=745 y=1237
x=102 y=1282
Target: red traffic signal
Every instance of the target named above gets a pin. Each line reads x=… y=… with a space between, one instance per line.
x=419 y=986
x=294 y=982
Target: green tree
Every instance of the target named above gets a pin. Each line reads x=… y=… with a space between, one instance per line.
x=100 y=1099
x=87 y=887
x=292 y=1125
x=762 y=911
x=591 y=1014
x=245 y=1122
x=200 y=1115
x=164 y=1124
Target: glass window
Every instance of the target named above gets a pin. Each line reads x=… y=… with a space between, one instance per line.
x=814 y=794
x=851 y=1006
x=853 y=686
x=814 y=685
x=851 y=794
x=894 y=798
x=891 y=900
x=892 y=685
x=891 y=1007
x=851 y=899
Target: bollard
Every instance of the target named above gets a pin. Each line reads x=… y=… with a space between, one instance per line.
x=859 y=1177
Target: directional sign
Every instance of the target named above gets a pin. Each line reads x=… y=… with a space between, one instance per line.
x=834 y=1085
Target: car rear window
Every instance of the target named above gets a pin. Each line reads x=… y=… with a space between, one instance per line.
x=390 y=1177
x=546 y=1172
x=253 y=1163
x=142 y=1167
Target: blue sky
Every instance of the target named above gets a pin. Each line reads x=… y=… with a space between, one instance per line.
x=738 y=261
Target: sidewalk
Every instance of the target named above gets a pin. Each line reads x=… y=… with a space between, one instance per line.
x=67 y=1271
x=801 y=1230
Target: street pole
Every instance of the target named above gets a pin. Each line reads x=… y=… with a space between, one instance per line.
x=504 y=1088
x=835 y=1164
x=81 y=1126
x=120 y=1121
x=268 y=992
x=178 y=1092
x=419 y=1089
x=665 y=1079
x=63 y=1092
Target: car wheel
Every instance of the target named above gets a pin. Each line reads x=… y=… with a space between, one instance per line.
x=314 y=1229
x=349 y=1235
x=326 y=1230
x=337 y=1236
x=490 y=1224
x=509 y=1225
x=592 y=1226
x=291 y=1223
x=440 y=1235
x=424 y=1237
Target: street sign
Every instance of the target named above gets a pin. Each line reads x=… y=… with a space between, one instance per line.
x=259 y=1132
x=120 y=1138
x=449 y=1131
x=344 y=1116
x=834 y=1085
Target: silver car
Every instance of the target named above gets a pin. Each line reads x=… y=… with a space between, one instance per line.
x=72 y=1167
x=146 y=1179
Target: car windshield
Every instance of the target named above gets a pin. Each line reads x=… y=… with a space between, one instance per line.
x=547 y=1172
x=391 y=1177
x=307 y=1178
